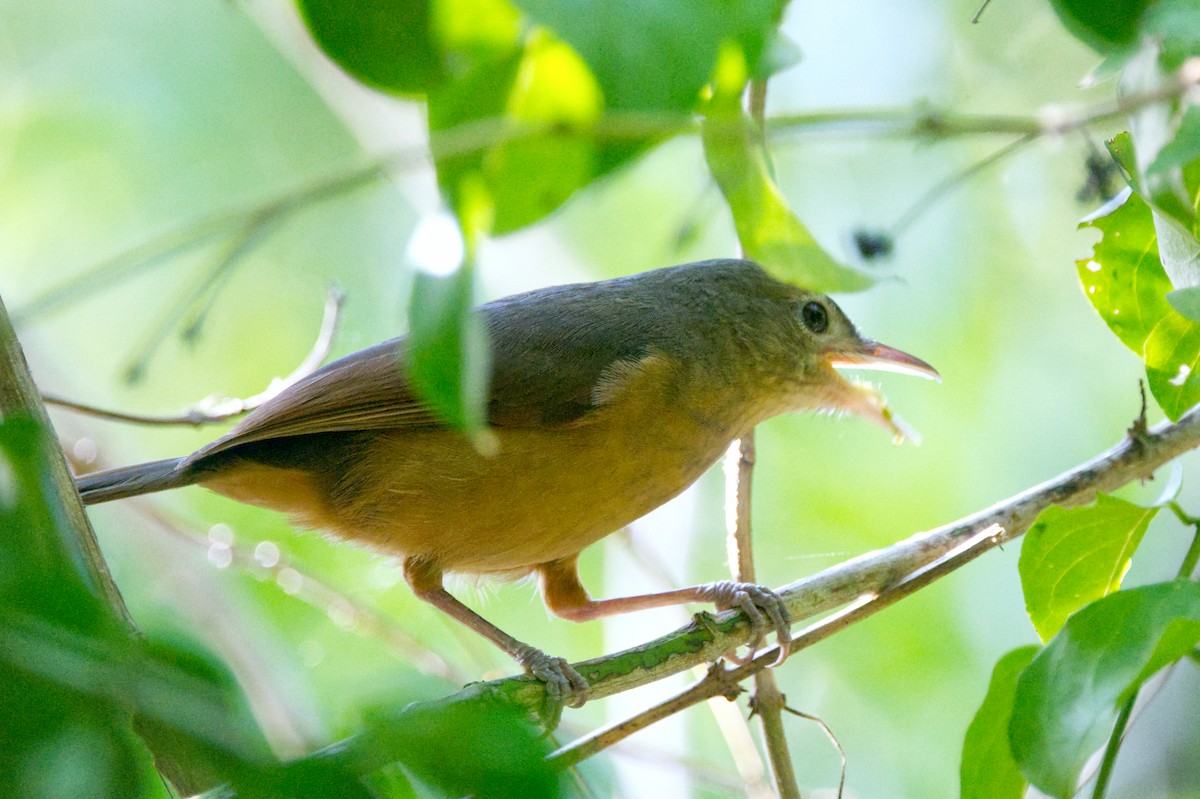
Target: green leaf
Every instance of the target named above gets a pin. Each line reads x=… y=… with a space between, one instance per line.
x=1177 y=24
x=988 y=770
x=496 y=753
x=1186 y=302
x=1173 y=364
x=656 y=55
x=1073 y=556
x=449 y=362
x=58 y=741
x=1126 y=282
x=769 y=231
x=388 y=44
x=1107 y=27
x=531 y=176
x=1124 y=278
x=1183 y=148
x=1153 y=128
x=1068 y=697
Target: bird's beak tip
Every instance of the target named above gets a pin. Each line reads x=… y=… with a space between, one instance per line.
x=880 y=357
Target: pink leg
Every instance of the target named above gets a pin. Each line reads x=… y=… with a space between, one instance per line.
x=565 y=596
x=564 y=685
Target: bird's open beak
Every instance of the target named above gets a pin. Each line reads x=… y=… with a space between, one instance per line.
x=881 y=357
x=864 y=400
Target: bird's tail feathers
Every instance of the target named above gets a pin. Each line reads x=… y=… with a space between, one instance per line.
x=129 y=481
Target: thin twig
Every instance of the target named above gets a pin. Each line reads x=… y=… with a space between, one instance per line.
x=483 y=134
x=767 y=701
x=979 y=13
x=1053 y=120
x=820 y=722
x=723 y=681
x=943 y=187
x=234 y=254
x=211 y=411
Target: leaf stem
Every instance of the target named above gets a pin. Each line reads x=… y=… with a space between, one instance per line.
x=1192 y=557
x=1114 y=745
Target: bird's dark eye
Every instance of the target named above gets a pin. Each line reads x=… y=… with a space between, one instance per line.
x=815 y=317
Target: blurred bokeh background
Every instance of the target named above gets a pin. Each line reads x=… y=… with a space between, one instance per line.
x=123 y=124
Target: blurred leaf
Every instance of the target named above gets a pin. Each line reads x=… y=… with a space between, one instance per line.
x=190 y=705
x=388 y=44
x=1153 y=128
x=482 y=748
x=1073 y=556
x=1183 y=148
x=1106 y=27
x=782 y=53
x=531 y=176
x=1177 y=24
x=1068 y=697
x=767 y=228
x=656 y=55
x=58 y=741
x=449 y=360
x=988 y=769
x=1186 y=302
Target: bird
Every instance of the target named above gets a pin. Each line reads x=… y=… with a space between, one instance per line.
x=606 y=400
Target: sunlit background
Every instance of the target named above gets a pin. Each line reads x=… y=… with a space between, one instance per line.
x=124 y=123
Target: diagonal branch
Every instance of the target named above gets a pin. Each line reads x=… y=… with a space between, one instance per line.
x=871 y=581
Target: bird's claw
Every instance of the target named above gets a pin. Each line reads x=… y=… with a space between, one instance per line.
x=564 y=685
x=763 y=608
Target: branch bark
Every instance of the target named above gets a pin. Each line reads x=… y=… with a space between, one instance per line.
x=19 y=397
x=871 y=581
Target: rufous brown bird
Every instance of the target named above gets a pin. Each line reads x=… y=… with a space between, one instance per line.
x=607 y=399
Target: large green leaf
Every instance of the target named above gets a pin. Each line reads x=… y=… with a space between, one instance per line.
x=1109 y=26
x=1123 y=278
x=1073 y=556
x=552 y=105
x=388 y=44
x=656 y=55
x=768 y=229
x=1068 y=697
x=1173 y=364
x=1125 y=281
x=988 y=770
x=483 y=748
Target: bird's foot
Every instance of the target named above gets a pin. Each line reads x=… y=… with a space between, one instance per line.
x=764 y=610
x=564 y=685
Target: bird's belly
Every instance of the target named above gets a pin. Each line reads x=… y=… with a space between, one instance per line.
x=544 y=496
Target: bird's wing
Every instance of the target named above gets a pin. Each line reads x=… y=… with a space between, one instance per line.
x=545 y=372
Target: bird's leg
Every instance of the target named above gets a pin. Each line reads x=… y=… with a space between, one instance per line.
x=564 y=685
x=565 y=596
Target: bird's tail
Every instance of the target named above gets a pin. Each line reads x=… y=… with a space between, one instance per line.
x=129 y=481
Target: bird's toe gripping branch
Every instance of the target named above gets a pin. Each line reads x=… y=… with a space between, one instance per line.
x=763 y=608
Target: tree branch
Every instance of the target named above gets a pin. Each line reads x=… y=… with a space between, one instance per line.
x=19 y=397
x=871 y=581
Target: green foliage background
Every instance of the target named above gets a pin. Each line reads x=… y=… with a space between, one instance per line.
x=120 y=122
